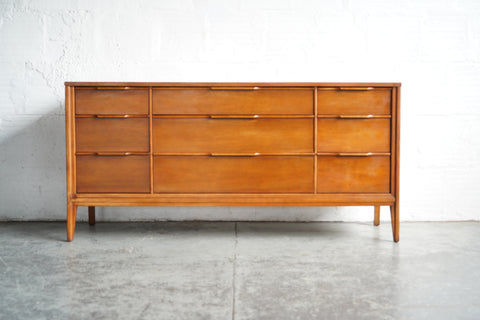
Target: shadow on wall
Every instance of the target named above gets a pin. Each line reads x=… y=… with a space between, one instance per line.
x=33 y=185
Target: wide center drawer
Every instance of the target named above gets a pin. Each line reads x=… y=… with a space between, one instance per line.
x=233 y=135
x=231 y=174
x=228 y=101
x=112 y=134
x=113 y=174
x=111 y=101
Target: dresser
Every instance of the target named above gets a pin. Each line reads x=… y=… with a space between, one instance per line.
x=232 y=144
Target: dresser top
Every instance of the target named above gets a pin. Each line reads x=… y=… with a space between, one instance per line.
x=235 y=84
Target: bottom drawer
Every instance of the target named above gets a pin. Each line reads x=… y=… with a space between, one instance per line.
x=353 y=174
x=113 y=174
x=233 y=174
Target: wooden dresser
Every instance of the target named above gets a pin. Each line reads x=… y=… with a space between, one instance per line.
x=232 y=144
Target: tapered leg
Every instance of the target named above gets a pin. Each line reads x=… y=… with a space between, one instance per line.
x=71 y=220
x=91 y=216
x=376 y=218
x=394 y=213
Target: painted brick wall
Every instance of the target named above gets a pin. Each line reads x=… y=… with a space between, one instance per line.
x=431 y=46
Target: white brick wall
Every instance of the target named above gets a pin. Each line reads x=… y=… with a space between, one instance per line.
x=431 y=46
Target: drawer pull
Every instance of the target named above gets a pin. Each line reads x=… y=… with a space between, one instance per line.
x=365 y=154
x=113 y=153
x=119 y=116
x=235 y=154
x=356 y=116
x=235 y=88
x=112 y=88
x=355 y=88
x=255 y=116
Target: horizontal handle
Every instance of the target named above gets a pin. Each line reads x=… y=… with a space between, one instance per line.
x=234 y=154
x=113 y=153
x=112 y=116
x=366 y=154
x=356 y=116
x=235 y=88
x=113 y=88
x=356 y=88
x=254 y=116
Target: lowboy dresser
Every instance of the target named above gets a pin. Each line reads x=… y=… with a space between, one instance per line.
x=232 y=144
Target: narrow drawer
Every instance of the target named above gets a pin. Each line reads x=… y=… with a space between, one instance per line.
x=353 y=135
x=376 y=101
x=94 y=101
x=208 y=101
x=338 y=174
x=112 y=134
x=233 y=135
x=233 y=174
x=113 y=174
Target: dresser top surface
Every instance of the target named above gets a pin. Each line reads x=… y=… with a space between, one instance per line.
x=235 y=84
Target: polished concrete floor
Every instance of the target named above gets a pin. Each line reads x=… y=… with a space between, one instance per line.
x=227 y=270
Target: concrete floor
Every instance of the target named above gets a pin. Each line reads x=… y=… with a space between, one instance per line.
x=227 y=270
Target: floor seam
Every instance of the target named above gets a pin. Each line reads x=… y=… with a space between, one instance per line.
x=234 y=273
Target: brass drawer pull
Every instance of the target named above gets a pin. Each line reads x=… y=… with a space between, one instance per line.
x=356 y=116
x=112 y=116
x=355 y=88
x=235 y=154
x=235 y=88
x=365 y=154
x=112 y=88
x=113 y=153
x=255 y=116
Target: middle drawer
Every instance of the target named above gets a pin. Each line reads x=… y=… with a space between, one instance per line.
x=207 y=135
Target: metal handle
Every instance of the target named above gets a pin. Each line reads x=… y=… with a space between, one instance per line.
x=235 y=88
x=254 y=116
x=356 y=116
x=355 y=154
x=234 y=154
x=356 y=88
x=113 y=153
x=112 y=88
x=112 y=116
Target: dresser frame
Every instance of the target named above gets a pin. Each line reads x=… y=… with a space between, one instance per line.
x=92 y=199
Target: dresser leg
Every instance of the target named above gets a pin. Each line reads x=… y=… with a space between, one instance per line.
x=71 y=220
x=394 y=213
x=376 y=218
x=91 y=216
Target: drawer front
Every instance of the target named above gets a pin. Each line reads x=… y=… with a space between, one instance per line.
x=207 y=101
x=356 y=135
x=338 y=174
x=93 y=101
x=233 y=135
x=113 y=174
x=376 y=101
x=112 y=134
x=261 y=174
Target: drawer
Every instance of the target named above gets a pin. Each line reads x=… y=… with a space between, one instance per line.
x=353 y=135
x=112 y=134
x=376 y=101
x=233 y=174
x=94 y=101
x=337 y=174
x=233 y=135
x=113 y=174
x=208 y=101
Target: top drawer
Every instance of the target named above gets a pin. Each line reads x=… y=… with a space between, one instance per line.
x=353 y=101
x=111 y=101
x=232 y=101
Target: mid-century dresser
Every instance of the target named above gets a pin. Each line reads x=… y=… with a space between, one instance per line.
x=232 y=144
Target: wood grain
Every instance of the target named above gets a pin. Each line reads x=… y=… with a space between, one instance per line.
x=93 y=101
x=337 y=102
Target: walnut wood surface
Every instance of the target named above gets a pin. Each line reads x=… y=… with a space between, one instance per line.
x=233 y=174
x=230 y=144
x=233 y=135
